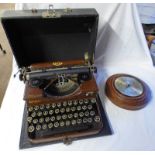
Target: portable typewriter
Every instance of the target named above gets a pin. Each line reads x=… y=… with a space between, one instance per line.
x=54 y=50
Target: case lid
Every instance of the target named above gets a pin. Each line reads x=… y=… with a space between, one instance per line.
x=53 y=35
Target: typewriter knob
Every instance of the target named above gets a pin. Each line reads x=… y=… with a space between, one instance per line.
x=83 y=77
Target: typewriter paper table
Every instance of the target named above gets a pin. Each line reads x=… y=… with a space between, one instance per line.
x=121 y=48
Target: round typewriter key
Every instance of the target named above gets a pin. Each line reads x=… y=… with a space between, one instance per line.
x=70 y=103
x=48 y=106
x=65 y=103
x=84 y=120
x=73 y=122
x=86 y=101
x=81 y=114
x=33 y=114
x=97 y=118
x=45 y=113
x=58 y=117
x=81 y=101
x=42 y=107
x=59 y=105
x=73 y=109
x=29 y=119
x=93 y=100
x=79 y=121
x=62 y=123
x=38 y=127
x=41 y=120
x=53 y=105
x=67 y=109
x=90 y=120
x=50 y=125
x=36 y=107
x=35 y=121
x=31 y=128
x=67 y=123
x=90 y=107
x=84 y=107
x=92 y=113
x=47 y=119
x=52 y=118
x=39 y=113
x=86 y=113
x=78 y=108
x=56 y=124
x=57 y=111
x=51 y=112
x=75 y=102
x=70 y=116
x=75 y=115
x=44 y=126
x=30 y=109
x=62 y=110
x=64 y=116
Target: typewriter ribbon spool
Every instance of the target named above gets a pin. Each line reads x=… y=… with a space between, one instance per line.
x=127 y=91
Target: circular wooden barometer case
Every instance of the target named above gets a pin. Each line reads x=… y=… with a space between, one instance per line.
x=127 y=91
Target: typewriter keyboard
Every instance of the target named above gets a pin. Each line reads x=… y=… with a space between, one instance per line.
x=67 y=116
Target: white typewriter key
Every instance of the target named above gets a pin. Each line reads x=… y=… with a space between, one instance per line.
x=65 y=103
x=67 y=109
x=36 y=107
x=73 y=109
x=75 y=102
x=44 y=126
x=31 y=128
x=79 y=121
x=48 y=106
x=84 y=107
x=67 y=123
x=70 y=116
x=81 y=101
x=64 y=116
x=93 y=100
x=58 y=117
x=33 y=114
x=56 y=124
x=62 y=123
x=38 y=127
x=90 y=107
x=92 y=113
x=59 y=104
x=62 y=110
x=53 y=105
x=47 y=119
x=50 y=125
x=57 y=111
x=97 y=118
x=39 y=113
x=51 y=112
x=70 y=103
x=41 y=120
x=86 y=113
x=73 y=122
x=86 y=101
x=90 y=120
x=78 y=108
x=35 y=121
x=84 y=120
x=52 y=118
x=29 y=119
x=75 y=115
x=42 y=107
x=81 y=114
x=30 y=109
x=45 y=113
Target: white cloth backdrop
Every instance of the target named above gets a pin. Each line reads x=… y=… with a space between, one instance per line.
x=120 y=48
